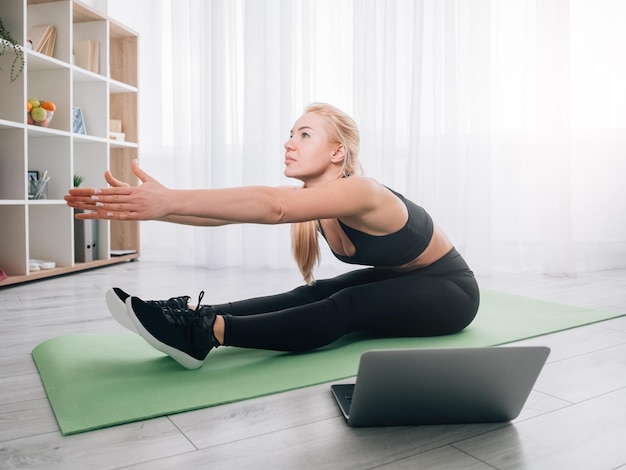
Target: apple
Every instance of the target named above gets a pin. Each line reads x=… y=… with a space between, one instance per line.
x=35 y=103
x=39 y=114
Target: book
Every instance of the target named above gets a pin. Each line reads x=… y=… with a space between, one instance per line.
x=122 y=252
x=87 y=55
x=117 y=136
x=115 y=125
x=43 y=38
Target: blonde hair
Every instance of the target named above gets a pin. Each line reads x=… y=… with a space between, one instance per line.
x=341 y=129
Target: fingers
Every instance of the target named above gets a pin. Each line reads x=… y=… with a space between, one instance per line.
x=88 y=201
x=105 y=203
x=119 y=201
x=95 y=199
x=118 y=187
x=142 y=175
x=91 y=215
x=112 y=180
x=105 y=214
x=108 y=176
x=79 y=192
x=105 y=206
x=80 y=201
x=125 y=190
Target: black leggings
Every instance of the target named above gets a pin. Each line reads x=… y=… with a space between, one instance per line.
x=437 y=300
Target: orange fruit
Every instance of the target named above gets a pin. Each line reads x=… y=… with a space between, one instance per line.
x=29 y=106
x=49 y=105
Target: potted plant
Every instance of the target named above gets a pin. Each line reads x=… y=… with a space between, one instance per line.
x=8 y=44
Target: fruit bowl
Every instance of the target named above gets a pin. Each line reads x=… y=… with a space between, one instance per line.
x=39 y=113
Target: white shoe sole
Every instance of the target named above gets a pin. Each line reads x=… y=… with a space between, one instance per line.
x=119 y=311
x=182 y=358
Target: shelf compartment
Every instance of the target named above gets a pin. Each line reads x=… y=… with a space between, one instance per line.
x=123 y=58
x=52 y=85
x=57 y=14
x=123 y=106
x=91 y=98
x=13 y=251
x=13 y=97
x=50 y=233
x=96 y=31
x=52 y=154
x=12 y=164
x=91 y=162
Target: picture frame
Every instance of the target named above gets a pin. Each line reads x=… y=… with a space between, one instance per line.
x=33 y=181
x=78 y=123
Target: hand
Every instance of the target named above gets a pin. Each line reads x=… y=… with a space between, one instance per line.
x=121 y=201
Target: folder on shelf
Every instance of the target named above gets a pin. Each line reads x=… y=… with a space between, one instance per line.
x=85 y=240
x=43 y=38
x=87 y=55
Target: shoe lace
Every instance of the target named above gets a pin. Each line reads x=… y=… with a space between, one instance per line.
x=196 y=324
x=175 y=302
x=181 y=315
x=201 y=311
x=200 y=297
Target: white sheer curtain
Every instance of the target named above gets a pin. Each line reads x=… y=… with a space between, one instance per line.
x=505 y=119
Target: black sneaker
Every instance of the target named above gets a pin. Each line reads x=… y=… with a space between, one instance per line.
x=116 y=302
x=183 y=334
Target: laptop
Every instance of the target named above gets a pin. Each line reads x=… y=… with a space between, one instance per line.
x=440 y=386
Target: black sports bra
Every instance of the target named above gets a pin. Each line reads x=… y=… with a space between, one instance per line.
x=391 y=250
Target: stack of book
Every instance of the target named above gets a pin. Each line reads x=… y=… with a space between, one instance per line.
x=42 y=38
x=115 y=130
x=87 y=55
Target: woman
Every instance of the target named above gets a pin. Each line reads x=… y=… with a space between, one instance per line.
x=417 y=283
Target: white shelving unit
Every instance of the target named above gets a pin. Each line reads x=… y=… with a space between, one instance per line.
x=43 y=229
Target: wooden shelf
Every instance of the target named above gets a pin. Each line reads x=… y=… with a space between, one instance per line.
x=46 y=229
x=60 y=271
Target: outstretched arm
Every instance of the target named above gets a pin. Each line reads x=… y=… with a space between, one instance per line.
x=349 y=197
x=81 y=198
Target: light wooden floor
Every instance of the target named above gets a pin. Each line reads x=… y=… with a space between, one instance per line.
x=574 y=419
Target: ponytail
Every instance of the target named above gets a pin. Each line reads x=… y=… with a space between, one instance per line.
x=305 y=247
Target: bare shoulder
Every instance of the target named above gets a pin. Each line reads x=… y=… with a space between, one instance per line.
x=354 y=184
x=382 y=212
x=357 y=183
x=369 y=189
x=365 y=192
x=341 y=198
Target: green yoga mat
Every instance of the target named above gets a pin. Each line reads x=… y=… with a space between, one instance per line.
x=94 y=381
